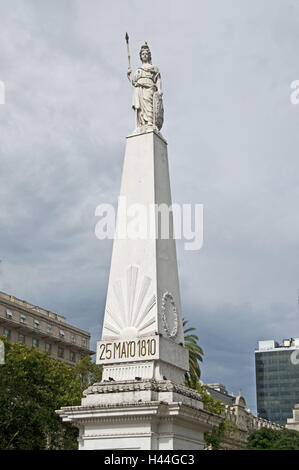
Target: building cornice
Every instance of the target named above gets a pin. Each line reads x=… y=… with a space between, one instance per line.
x=44 y=315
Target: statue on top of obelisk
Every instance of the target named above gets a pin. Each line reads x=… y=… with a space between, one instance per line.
x=147 y=91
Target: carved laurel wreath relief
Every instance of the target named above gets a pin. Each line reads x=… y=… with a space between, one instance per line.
x=169 y=315
x=130 y=311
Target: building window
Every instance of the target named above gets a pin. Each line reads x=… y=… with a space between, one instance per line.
x=61 y=333
x=48 y=347
x=49 y=329
x=36 y=324
x=73 y=338
x=9 y=314
x=84 y=342
x=61 y=353
x=35 y=342
x=73 y=356
x=7 y=333
x=21 y=338
x=23 y=318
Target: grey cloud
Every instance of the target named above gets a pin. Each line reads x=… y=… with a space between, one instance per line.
x=233 y=139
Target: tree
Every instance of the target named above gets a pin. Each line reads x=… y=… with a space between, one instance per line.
x=87 y=372
x=273 y=439
x=210 y=403
x=192 y=379
x=32 y=387
x=214 y=437
x=195 y=355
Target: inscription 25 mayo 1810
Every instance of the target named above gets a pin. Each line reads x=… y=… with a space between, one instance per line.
x=137 y=349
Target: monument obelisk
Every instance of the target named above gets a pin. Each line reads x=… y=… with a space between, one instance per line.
x=141 y=402
x=142 y=331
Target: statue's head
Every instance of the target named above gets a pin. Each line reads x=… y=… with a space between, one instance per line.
x=145 y=54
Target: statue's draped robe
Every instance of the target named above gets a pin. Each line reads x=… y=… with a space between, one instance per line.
x=144 y=86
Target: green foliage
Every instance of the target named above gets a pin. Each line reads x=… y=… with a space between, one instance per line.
x=192 y=379
x=273 y=439
x=213 y=438
x=32 y=387
x=87 y=372
x=195 y=355
x=210 y=403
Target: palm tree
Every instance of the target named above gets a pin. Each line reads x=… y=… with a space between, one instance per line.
x=195 y=355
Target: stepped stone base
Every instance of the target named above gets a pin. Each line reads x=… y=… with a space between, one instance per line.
x=140 y=415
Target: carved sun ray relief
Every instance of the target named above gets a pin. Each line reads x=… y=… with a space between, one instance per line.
x=130 y=312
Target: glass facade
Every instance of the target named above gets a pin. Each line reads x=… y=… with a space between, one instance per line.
x=277 y=383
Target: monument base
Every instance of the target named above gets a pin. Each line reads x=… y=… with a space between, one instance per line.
x=140 y=415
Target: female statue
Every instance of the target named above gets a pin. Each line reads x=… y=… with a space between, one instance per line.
x=147 y=92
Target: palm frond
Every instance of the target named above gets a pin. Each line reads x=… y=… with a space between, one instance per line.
x=195 y=355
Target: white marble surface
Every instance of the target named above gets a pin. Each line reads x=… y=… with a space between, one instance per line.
x=146 y=415
x=143 y=297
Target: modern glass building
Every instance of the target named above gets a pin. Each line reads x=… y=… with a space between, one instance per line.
x=277 y=379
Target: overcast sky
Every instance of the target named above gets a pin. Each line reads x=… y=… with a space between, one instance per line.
x=233 y=139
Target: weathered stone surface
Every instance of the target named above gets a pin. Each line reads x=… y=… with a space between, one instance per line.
x=147 y=100
x=146 y=414
x=293 y=423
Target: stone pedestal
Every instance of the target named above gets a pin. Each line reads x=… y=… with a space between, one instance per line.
x=141 y=402
x=293 y=423
x=140 y=415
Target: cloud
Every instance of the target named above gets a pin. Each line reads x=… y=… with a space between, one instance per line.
x=232 y=138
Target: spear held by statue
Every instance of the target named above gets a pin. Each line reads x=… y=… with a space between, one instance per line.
x=129 y=56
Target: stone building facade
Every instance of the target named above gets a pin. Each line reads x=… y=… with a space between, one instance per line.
x=293 y=423
x=240 y=420
x=23 y=322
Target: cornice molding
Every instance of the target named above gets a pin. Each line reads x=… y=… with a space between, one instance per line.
x=144 y=385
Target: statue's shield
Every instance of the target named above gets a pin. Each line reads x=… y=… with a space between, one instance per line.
x=158 y=110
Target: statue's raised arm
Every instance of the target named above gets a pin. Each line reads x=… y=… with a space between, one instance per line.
x=147 y=91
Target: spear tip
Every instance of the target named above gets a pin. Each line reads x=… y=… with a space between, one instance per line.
x=127 y=37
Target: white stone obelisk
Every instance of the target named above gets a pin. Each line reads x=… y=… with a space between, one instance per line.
x=142 y=331
x=141 y=402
